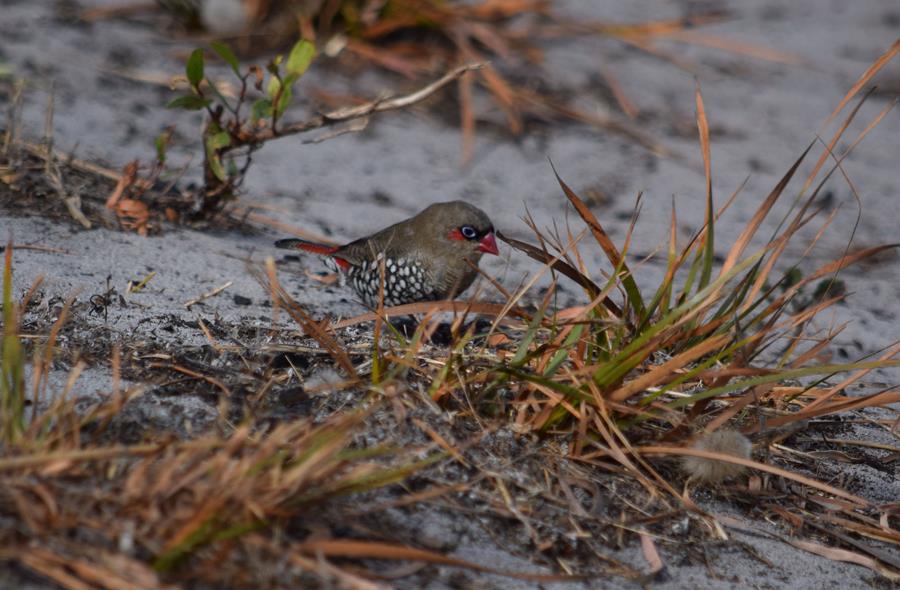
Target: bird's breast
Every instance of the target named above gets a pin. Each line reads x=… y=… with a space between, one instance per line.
x=404 y=281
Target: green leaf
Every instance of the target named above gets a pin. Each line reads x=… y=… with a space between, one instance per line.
x=215 y=165
x=563 y=353
x=219 y=140
x=189 y=102
x=284 y=101
x=300 y=57
x=225 y=52
x=273 y=87
x=161 y=141
x=194 y=68
x=214 y=143
x=261 y=109
x=525 y=344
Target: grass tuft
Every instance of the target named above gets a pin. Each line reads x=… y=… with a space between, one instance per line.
x=12 y=374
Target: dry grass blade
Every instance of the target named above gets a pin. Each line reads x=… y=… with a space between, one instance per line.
x=848 y=260
x=835 y=554
x=740 y=245
x=663 y=372
x=652 y=28
x=612 y=253
x=54 y=568
x=872 y=529
x=829 y=148
x=196 y=375
x=625 y=103
x=875 y=552
x=651 y=554
x=77 y=456
x=864 y=79
x=376 y=550
x=53 y=171
x=681 y=451
x=563 y=267
x=269 y=282
x=750 y=49
x=853 y=378
x=874 y=400
x=709 y=226
x=505 y=98
x=430 y=307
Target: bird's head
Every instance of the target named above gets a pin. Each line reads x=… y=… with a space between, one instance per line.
x=463 y=228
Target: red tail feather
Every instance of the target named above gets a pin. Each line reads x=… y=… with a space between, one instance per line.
x=298 y=244
x=314 y=248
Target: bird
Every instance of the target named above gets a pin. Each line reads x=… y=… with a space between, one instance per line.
x=431 y=256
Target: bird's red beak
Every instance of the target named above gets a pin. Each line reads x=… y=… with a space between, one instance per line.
x=488 y=244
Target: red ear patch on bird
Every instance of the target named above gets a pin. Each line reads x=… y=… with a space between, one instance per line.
x=456 y=235
x=488 y=244
x=343 y=264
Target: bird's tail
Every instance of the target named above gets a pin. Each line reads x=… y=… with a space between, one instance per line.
x=298 y=244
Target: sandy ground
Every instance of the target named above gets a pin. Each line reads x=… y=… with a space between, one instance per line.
x=763 y=115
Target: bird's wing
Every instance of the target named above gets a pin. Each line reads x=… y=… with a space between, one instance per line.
x=390 y=242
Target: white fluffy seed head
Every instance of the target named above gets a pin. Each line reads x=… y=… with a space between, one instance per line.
x=712 y=471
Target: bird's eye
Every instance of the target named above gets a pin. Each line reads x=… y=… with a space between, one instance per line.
x=468 y=232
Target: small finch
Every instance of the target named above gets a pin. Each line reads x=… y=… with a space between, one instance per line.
x=433 y=255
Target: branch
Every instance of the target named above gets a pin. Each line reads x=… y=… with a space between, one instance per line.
x=364 y=110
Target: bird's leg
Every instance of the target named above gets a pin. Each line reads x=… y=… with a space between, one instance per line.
x=405 y=325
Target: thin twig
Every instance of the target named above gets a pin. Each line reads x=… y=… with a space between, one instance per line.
x=354 y=126
x=54 y=175
x=12 y=117
x=190 y=373
x=205 y=296
x=36 y=247
x=364 y=110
